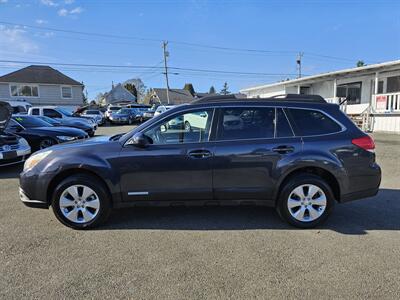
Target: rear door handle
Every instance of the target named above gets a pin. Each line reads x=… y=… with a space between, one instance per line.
x=283 y=149
x=201 y=153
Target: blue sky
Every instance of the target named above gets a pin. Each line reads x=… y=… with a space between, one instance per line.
x=346 y=30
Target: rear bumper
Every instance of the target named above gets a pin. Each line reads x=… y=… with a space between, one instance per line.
x=364 y=186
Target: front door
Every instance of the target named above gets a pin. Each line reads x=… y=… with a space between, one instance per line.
x=176 y=165
x=252 y=144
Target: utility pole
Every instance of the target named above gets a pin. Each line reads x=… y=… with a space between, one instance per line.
x=298 y=62
x=166 y=54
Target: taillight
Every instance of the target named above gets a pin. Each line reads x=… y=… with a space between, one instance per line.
x=365 y=142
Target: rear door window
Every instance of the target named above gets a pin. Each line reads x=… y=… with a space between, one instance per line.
x=240 y=123
x=283 y=128
x=311 y=122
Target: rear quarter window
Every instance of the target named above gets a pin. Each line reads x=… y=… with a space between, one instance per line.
x=311 y=122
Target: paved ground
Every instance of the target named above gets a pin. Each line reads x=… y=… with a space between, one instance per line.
x=202 y=253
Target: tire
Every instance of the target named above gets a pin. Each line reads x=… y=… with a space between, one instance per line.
x=310 y=210
x=188 y=127
x=84 y=213
x=46 y=143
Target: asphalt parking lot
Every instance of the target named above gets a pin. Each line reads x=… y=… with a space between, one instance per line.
x=200 y=253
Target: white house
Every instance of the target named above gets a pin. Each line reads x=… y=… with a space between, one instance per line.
x=372 y=93
x=41 y=85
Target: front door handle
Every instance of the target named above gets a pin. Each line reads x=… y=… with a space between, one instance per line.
x=283 y=149
x=201 y=153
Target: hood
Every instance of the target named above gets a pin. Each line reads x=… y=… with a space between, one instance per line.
x=120 y=115
x=75 y=122
x=53 y=131
x=5 y=114
x=84 y=144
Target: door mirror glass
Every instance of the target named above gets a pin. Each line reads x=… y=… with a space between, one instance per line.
x=138 y=140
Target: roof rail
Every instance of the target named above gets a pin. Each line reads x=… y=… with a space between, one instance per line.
x=300 y=98
x=218 y=98
x=283 y=97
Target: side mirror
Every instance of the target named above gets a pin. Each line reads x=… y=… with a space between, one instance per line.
x=138 y=140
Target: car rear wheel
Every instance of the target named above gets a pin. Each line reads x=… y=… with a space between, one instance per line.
x=305 y=201
x=81 y=202
x=45 y=143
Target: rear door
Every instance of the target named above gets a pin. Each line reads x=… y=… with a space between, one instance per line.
x=252 y=144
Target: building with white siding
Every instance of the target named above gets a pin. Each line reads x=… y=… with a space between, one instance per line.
x=370 y=95
x=41 y=85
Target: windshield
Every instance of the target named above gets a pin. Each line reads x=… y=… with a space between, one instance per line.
x=31 y=122
x=124 y=111
x=64 y=112
x=49 y=120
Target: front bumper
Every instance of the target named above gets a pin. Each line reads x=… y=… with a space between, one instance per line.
x=31 y=202
x=15 y=156
x=33 y=188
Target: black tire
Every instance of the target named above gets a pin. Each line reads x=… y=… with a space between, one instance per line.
x=298 y=180
x=97 y=186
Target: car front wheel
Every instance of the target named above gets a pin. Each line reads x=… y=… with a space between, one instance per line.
x=81 y=202
x=305 y=201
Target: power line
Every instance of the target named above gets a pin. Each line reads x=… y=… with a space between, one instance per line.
x=198 y=45
x=144 y=67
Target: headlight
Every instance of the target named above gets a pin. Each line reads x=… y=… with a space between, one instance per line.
x=35 y=159
x=65 y=138
x=23 y=142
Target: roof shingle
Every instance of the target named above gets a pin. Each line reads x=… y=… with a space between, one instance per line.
x=39 y=74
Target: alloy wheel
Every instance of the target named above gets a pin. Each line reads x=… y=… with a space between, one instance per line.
x=307 y=202
x=79 y=204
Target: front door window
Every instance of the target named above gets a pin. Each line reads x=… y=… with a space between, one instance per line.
x=188 y=127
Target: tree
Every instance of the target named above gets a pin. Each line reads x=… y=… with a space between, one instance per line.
x=360 y=63
x=225 y=89
x=132 y=89
x=189 y=87
x=212 y=90
x=140 y=88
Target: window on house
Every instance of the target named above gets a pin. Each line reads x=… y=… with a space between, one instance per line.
x=380 y=87
x=393 y=84
x=66 y=92
x=350 y=91
x=305 y=90
x=24 y=90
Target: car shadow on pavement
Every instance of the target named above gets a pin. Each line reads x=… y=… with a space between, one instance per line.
x=381 y=212
x=12 y=171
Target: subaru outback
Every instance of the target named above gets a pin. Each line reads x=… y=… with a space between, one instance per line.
x=298 y=154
